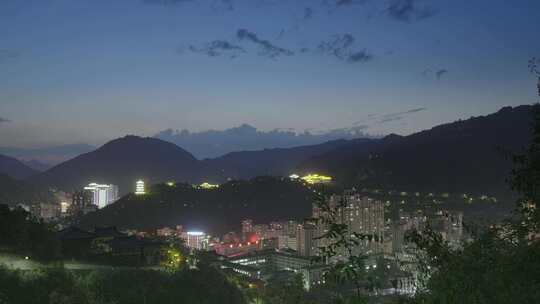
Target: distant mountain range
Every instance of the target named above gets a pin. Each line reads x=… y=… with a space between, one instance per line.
x=214 y=143
x=44 y=158
x=462 y=156
x=125 y=160
x=14 y=168
x=467 y=156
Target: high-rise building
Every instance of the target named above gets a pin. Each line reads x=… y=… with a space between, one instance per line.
x=365 y=216
x=81 y=203
x=305 y=239
x=247 y=228
x=362 y=215
x=102 y=195
x=195 y=239
x=140 y=187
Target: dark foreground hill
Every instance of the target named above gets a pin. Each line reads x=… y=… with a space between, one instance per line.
x=461 y=157
x=262 y=199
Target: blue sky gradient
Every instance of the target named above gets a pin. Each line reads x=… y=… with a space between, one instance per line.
x=91 y=70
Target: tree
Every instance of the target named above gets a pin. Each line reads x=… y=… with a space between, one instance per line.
x=339 y=249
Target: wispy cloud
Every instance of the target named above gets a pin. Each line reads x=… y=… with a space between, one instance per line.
x=266 y=47
x=308 y=13
x=437 y=73
x=440 y=73
x=218 y=48
x=166 y=2
x=408 y=10
x=375 y=119
x=340 y=46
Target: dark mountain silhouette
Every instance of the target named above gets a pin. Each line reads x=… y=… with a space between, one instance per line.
x=14 y=192
x=274 y=162
x=461 y=157
x=262 y=199
x=125 y=160
x=122 y=162
x=37 y=165
x=15 y=168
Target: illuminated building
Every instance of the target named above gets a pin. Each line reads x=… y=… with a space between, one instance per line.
x=316 y=179
x=262 y=264
x=247 y=228
x=102 y=195
x=362 y=215
x=208 y=186
x=45 y=211
x=81 y=203
x=64 y=207
x=139 y=188
x=287 y=242
x=195 y=239
x=236 y=249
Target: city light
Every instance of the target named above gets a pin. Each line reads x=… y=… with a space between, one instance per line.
x=316 y=179
x=102 y=195
x=208 y=186
x=139 y=188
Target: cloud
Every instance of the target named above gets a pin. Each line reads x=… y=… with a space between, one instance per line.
x=308 y=13
x=223 y=5
x=390 y=119
x=408 y=11
x=386 y=118
x=166 y=2
x=399 y=115
x=437 y=73
x=534 y=64
x=267 y=48
x=440 y=73
x=361 y=56
x=4 y=120
x=218 y=48
x=340 y=46
x=343 y=3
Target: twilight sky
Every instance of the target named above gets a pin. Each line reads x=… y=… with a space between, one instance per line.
x=75 y=71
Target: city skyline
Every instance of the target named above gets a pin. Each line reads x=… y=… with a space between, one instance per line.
x=393 y=67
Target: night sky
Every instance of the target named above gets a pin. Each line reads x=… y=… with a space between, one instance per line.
x=86 y=71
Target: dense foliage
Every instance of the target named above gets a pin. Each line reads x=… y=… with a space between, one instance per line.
x=23 y=234
x=58 y=286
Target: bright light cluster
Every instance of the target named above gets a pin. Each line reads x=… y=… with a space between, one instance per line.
x=207 y=186
x=139 y=188
x=316 y=179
